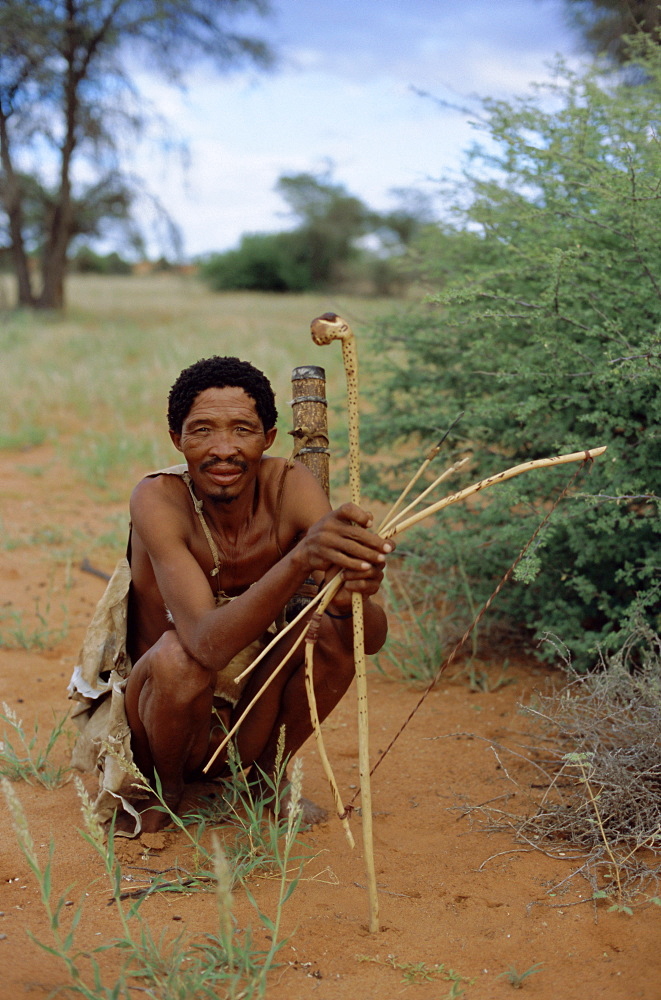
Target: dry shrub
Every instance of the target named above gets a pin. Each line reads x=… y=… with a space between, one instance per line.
x=596 y=790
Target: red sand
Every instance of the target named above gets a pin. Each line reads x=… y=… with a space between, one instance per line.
x=477 y=902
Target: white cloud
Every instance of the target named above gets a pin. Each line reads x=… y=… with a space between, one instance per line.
x=344 y=93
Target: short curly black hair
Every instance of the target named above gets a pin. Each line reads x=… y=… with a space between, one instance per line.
x=219 y=373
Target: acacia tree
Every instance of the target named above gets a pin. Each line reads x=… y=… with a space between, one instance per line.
x=66 y=95
x=325 y=246
x=605 y=24
x=330 y=221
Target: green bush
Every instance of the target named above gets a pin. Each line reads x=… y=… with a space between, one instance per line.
x=543 y=324
x=324 y=249
x=86 y=261
x=266 y=262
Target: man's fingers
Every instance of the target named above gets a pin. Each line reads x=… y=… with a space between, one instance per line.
x=354 y=544
x=338 y=540
x=351 y=512
x=348 y=528
x=374 y=572
x=366 y=588
x=364 y=581
x=342 y=560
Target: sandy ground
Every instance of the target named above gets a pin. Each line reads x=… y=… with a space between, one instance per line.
x=449 y=892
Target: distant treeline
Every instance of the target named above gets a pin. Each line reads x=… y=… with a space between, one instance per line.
x=338 y=242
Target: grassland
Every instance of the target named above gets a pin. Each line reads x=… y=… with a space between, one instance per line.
x=94 y=381
x=83 y=413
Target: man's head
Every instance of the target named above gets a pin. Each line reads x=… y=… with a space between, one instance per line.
x=220 y=373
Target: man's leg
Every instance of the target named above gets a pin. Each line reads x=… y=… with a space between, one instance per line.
x=285 y=702
x=169 y=698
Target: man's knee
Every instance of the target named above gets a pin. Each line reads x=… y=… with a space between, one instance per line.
x=338 y=654
x=175 y=674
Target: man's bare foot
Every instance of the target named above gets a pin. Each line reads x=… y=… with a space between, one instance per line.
x=153 y=816
x=311 y=813
x=278 y=803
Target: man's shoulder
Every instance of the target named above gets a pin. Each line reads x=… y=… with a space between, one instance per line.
x=170 y=470
x=271 y=466
x=276 y=471
x=300 y=499
x=162 y=487
x=162 y=479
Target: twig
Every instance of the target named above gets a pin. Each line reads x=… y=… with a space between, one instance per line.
x=500 y=477
x=388 y=892
x=86 y=567
x=480 y=805
x=429 y=458
x=597 y=812
x=515 y=850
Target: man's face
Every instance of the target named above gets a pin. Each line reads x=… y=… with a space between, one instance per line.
x=223 y=440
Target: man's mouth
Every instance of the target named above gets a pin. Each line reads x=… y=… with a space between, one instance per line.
x=224 y=475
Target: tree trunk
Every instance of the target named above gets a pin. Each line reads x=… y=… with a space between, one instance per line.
x=58 y=231
x=58 y=235
x=14 y=211
x=53 y=269
x=25 y=294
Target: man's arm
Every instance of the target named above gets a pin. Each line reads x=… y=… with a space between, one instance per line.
x=365 y=581
x=214 y=635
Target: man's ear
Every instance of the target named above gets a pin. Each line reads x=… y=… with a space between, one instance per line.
x=176 y=440
x=269 y=437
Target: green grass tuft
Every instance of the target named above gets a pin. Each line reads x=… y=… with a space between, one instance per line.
x=21 y=756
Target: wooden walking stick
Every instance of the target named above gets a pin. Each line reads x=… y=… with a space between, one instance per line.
x=325 y=329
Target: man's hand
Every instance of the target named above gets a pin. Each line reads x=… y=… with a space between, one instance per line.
x=342 y=540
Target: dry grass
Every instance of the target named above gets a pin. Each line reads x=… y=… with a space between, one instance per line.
x=95 y=380
x=592 y=791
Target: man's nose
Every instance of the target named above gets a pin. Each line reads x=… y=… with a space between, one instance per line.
x=223 y=444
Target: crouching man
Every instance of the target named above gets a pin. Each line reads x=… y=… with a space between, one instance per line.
x=218 y=546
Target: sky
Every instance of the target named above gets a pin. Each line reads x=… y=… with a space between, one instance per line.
x=346 y=90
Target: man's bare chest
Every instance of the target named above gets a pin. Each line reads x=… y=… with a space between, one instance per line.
x=234 y=561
